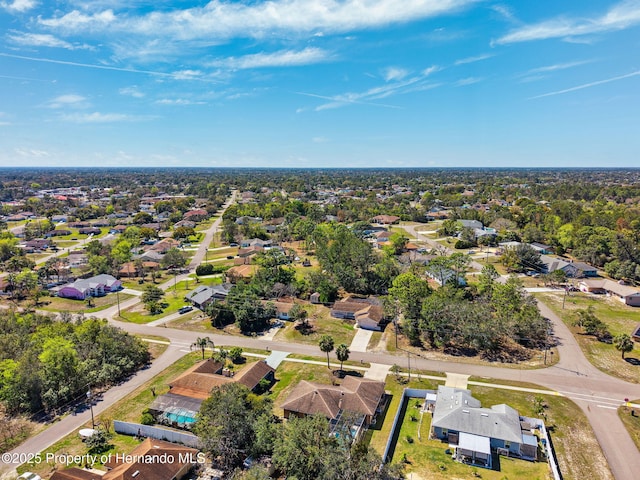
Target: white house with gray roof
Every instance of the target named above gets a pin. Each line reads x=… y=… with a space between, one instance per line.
x=475 y=432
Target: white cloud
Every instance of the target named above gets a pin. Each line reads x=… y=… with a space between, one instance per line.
x=282 y=58
x=19 y=5
x=97 y=117
x=588 y=85
x=187 y=74
x=467 y=81
x=131 y=92
x=43 y=40
x=555 y=67
x=477 y=58
x=619 y=17
x=395 y=73
x=432 y=69
x=69 y=100
x=179 y=101
x=77 y=21
x=31 y=152
x=224 y=19
x=319 y=139
x=370 y=96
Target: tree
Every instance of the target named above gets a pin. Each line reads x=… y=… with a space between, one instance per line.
x=342 y=354
x=227 y=421
x=142 y=217
x=592 y=325
x=202 y=344
x=623 y=343
x=326 y=345
x=408 y=292
x=487 y=279
x=151 y=298
x=174 y=258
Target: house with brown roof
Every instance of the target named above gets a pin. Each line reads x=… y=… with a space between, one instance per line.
x=240 y=272
x=385 y=219
x=361 y=396
x=625 y=293
x=189 y=390
x=152 y=459
x=367 y=312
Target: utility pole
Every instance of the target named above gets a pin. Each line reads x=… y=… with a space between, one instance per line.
x=118 y=300
x=90 y=400
x=409 y=363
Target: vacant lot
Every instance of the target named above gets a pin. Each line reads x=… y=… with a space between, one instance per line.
x=320 y=323
x=619 y=318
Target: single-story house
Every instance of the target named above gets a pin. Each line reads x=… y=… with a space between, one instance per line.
x=473 y=224
x=89 y=231
x=203 y=295
x=625 y=293
x=196 y=215
x=90 y=287
x=150 y=256
x=164 y=245
x=189 y=390
x=385 y=219
x=314 y=297
x=118 y=229
x=240 y=272
x=130 y=269
x=572 y=269
x=542 y=248
x=255 y=242
x=475 y=432
x=57 y=233
x=366 y=312
x=361 y=396
x=250 y=251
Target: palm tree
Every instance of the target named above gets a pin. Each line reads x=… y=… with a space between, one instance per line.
x=623 y=343
x=326 y=345
x=202 y=344
x=342 y=352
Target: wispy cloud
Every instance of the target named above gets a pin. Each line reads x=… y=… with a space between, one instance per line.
x=43 y=40
x=19 y=5
x=477 y=58
x=282 y=58
x=132 y=91
x=468 y=81
x=369 y=97
x=555 y=67
x=588 y=85
x=179 y=102
x=97 y=117
x=621 y=16
x=69 y=100
x=504 y=11
x=395 y=73
x=432 y=69
x=176 y=76
x=31 y=152
x=223 y=19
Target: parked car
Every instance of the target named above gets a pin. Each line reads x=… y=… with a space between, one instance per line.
x=185 y=309
x=233 y=244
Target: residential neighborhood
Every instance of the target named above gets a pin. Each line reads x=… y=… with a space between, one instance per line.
x=311 y=317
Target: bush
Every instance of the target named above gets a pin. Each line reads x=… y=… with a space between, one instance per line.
x=204 y=269
x=147 y=418
x=461 y=244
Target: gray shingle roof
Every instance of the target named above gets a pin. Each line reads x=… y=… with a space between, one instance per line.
x=457 y=410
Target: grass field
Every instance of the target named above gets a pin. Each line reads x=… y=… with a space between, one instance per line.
x=321 y=324
x=619 y=318
x=174 y=298
x=631 y=422
x=57 y=304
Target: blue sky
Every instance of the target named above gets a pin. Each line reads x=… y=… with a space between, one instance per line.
x=319 y=83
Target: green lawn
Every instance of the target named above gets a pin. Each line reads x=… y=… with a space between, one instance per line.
x=322 y=324
x=174 y=298
x=57 y=304
x=619 y=319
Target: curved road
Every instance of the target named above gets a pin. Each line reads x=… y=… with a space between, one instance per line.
x=597 y=394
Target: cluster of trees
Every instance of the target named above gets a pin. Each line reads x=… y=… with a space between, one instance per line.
x=233 y=423
x=47 y=364
x=497 y=320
